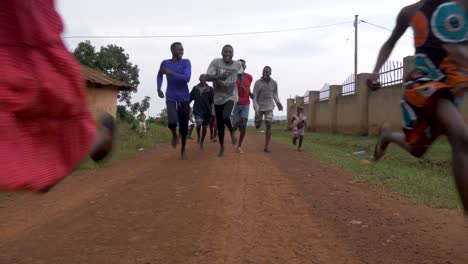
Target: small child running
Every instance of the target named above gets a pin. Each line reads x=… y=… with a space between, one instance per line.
x=298 y=124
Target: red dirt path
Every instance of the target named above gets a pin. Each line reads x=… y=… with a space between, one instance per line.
x=282 y=207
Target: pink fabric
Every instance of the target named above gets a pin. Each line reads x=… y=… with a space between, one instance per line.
x=298 y=131
x=45 y=126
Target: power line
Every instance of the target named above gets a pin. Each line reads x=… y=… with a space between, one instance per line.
x=372 y=24
x=381 y=27
x=347 y=39
x=207 y=35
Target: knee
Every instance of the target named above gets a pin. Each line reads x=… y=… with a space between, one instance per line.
x=243 y=123
x=459 y=143
x=268 y=125
x=226 y=119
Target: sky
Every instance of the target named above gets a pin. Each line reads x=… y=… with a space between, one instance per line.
x=300 y=60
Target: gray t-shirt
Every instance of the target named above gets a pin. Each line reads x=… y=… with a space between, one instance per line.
x=265 y=95
x=225 y=90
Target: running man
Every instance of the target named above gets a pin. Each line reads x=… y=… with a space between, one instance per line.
x=298 y=125
x=178 y=72
x=46 y=126
x=240 y=116
x=435 y=86
x=202 y=95
x=265 y=97
x=142 y=120
x=224 y=73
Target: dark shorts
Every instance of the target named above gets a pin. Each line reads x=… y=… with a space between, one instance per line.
x=178 y=115
x=202 y=120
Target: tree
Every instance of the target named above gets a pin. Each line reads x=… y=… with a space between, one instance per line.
x=113 y=61
x=86 y=54
x=163 y=117
x=135 y=108
x=124 y=115
x=145 y=104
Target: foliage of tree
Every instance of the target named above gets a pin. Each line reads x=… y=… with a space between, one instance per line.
x=163 y=117
x=113 y=61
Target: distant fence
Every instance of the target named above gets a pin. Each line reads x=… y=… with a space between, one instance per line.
x=349 y=86
x=324 y=95
x=391 y=73
x=362 y=113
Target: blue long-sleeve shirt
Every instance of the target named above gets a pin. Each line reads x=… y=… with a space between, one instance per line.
x=177 y=83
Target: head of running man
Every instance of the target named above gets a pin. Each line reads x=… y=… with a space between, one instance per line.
x=266 y=75
x=227 y=53
x=244 y=66
x=177 y=50
x=202 y=79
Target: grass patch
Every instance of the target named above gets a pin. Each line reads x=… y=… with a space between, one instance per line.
x=427 y=180
x=129 y=142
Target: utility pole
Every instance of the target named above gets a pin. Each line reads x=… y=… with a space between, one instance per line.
x=356 y=22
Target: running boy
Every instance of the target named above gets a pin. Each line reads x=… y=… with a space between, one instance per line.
x=265 y=97
x=142 y=120
x=178 y=72
x=298 y=125
x=202 y=95
x=223 y=72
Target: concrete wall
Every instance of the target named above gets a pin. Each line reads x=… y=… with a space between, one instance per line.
x=384 y=106
x=322 y=116
x=102 y=99
x=308 y=113
x=361 y=113
x=348 y=118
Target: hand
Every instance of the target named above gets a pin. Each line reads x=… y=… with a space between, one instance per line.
x=280 y=107
x=160 y=94
x=167 y=71
x=373 y=82
x=224 y=76
x=251 y=95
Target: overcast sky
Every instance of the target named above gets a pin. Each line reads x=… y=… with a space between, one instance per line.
x=301 y=60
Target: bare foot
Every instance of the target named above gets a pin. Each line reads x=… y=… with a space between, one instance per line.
x=221 y=151
x=102 y=146
x=174 y=141
x=382 y=144
x=104 y=139
x=233 y=139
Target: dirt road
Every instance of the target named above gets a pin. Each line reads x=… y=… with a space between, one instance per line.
x=282 y=207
